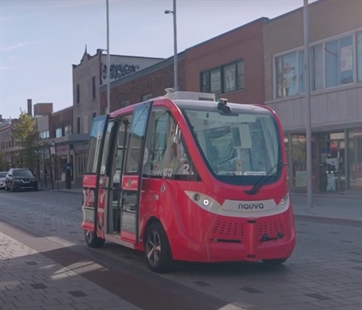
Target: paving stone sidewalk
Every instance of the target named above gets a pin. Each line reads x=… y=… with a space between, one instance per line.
x=29 y=281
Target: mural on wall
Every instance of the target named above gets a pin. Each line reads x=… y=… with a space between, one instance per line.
x=118 y=71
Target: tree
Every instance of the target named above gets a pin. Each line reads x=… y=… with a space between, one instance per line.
x=3 y=164
x=25 y=134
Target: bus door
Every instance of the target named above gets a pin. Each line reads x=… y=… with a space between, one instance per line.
x=104 y=187
x=118 y=149
x=136 y=156
x=94 y=181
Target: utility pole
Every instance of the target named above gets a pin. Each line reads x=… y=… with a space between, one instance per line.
x=175 y=60
x=108 y=64
x=307 y=104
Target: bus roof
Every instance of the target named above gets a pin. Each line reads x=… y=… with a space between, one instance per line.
x=200 y=101
x=209 y=105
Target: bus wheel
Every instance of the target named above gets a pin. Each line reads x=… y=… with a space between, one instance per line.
x=92 y=239
x=277 y=261
x=157 y=249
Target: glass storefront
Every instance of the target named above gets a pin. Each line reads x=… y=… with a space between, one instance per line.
x=332 y=162
x=298 y=149
x=355 y=159
x=336 y=166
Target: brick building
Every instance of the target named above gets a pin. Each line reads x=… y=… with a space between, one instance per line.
x=90 y=74
x=336 y=92
x=144 y=84
x=8 y=146
x=231 y=64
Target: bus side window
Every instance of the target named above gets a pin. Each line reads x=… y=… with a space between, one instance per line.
x=95 y=140
x=165 y=154
x=119 y=150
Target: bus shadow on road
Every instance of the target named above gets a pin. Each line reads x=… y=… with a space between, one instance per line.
x=187 y=268
x=228 y=269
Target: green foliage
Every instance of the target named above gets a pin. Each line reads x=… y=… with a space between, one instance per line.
x=3 y=164
x=25 y=134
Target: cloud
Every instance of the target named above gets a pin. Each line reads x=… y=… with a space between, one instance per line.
x=6 y=19
x=8 y=48
x=77 y=4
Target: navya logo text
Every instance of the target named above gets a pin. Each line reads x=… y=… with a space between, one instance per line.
x=250 y=206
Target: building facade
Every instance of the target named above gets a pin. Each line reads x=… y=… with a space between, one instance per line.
x=230 y=65
x=90 y=74
x=336 y=92
x=88 y=77
x=9 y=148
x=144 y=84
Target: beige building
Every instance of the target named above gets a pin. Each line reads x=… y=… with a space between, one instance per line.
x=88 y=76
x=336 y=91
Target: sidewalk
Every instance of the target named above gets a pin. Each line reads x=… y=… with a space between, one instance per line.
x=332 y=207
x=29 y=280
x=328 y=206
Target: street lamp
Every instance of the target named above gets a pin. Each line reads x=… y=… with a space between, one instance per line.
x=52 y=161
x=175 y=44
x=109 y=63
x=307 y=103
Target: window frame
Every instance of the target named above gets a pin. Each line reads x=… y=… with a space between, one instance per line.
x=94 y=92
x=166 y=151
x=146 y=97
x=205 y=77
x=78 y=94
x=300 y=50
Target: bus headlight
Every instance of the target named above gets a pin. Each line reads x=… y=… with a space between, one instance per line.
x=284 y=200
x=203 y=201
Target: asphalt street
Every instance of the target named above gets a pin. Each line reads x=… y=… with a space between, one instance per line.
x=324 y=272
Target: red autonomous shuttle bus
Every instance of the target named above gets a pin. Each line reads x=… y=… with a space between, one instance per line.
x=185 y=177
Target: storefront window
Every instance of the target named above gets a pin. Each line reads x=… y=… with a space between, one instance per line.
x=317 y=67
x=299 y=161
x=355 y=159
x=359 y=55
x=346 y=51
x=301 y=72
x=332 y=63
x=286 y=75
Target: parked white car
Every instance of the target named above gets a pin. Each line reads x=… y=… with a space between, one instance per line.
x=2 y=179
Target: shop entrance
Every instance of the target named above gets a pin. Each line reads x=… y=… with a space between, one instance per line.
x=332 y=176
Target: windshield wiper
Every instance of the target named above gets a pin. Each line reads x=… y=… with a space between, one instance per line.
x=258 y=185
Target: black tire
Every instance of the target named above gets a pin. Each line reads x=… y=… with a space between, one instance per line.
x=276 y=261
x=157 y=249
x=92 y=240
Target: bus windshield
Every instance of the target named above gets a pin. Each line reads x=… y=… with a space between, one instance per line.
x=238 y=148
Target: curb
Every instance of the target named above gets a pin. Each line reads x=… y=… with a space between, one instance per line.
x=327 y=220
x=66 y=191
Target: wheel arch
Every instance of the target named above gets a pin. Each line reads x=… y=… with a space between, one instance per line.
x=150 y=221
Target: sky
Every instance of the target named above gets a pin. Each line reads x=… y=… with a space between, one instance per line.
x=41 y=39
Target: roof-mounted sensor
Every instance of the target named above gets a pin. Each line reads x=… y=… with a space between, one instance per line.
x=222 y=105
x=188 y=95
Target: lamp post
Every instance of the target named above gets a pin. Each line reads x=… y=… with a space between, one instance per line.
x=108 y=63
x=307 y=103
x=52 y=162
x=175 y=76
